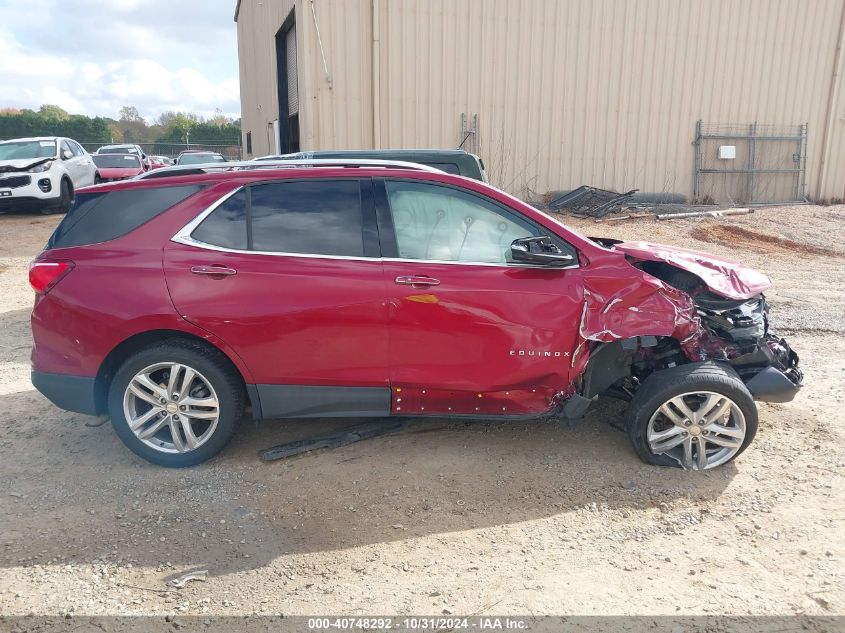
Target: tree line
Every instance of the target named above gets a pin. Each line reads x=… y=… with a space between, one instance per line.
x=129 y=127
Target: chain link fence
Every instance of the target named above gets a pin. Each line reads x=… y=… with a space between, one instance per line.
x=232 y=151
x=740 y=164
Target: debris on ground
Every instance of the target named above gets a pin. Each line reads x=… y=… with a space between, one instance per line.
x=674 y=213
x=347 y=436
x=716 y=213
x=184 y=579
x=590 y=201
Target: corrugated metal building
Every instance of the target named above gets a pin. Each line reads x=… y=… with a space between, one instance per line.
x=553 y=94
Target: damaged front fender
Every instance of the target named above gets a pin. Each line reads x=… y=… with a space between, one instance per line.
x=620 y=307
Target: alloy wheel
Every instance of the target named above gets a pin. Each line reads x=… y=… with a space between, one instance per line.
x=699 y=430
x=171 y=407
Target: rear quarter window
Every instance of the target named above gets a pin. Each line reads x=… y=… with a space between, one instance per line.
x=102 y=216
x=226 y=225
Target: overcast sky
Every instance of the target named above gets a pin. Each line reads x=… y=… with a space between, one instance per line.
x=94 y=56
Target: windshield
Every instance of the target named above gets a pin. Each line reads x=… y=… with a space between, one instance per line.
x=198 y=159
x=117 y=150
x=117 y=161
x=15 y=150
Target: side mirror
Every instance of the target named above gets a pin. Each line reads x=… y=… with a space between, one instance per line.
x=67 y=154
x=539 y=250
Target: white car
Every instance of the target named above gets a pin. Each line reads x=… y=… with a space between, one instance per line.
x=43 y=173
x=126 y=148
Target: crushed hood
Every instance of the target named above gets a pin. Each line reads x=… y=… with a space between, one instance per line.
x=21 y=164
x=721 y=276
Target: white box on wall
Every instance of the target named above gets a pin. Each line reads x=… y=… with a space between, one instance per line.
x=727 y=152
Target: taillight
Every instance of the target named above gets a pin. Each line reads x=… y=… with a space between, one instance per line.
x=45 y=273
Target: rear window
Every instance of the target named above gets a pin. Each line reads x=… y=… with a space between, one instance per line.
x=449 y=168
x=117 y=161
x=200 y=159
x=106 y=215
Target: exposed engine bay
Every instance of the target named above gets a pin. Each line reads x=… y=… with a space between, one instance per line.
x=733 y=328
x=740 y=333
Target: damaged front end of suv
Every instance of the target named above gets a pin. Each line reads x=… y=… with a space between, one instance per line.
x=704 y=350
x=733 y=313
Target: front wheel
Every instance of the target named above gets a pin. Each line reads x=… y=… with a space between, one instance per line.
x=65 y=199
x=696 y=417
x=176 y=404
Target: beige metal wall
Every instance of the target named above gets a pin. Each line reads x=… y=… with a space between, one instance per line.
x=567 y=92
x=258 y=22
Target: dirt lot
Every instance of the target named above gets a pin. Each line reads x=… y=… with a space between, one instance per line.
x=506 y=518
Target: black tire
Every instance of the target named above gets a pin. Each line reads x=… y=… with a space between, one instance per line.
x=65 y=199
x=669 y=383
x=213 y=366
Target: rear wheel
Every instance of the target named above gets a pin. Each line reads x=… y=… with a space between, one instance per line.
x=695 y=417
x=176 y=404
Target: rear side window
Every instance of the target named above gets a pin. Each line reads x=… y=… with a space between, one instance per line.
x=102 y=216
x=320 y=217
x=317 y=217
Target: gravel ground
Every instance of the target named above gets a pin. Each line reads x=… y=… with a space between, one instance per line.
x=506 y=518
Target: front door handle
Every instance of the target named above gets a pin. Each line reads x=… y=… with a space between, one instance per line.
x=418 y=281
x=214 y=271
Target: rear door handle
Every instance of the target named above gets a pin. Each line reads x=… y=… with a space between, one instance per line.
x=214 y=271
x=417 y=281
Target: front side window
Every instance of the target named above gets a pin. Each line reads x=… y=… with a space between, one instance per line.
x=433 y=222
x=311 y=217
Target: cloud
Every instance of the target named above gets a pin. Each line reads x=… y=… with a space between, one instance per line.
x=92 y=57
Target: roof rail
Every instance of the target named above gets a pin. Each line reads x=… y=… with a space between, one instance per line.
x=204 y=168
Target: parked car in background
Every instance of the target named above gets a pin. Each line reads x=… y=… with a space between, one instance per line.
x=160 y=161
x=126 y=148
x=199 y=157
x=43 y=173
x=356 y=289
x=452 y=161
x=117 y=166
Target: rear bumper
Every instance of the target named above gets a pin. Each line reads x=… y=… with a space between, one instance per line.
x=72 y=393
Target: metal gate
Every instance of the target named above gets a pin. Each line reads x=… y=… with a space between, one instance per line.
x=749 y=164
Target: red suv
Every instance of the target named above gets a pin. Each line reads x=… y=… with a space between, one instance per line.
x=354 y=289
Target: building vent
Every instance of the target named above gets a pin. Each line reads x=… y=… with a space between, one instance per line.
x=290 y=59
